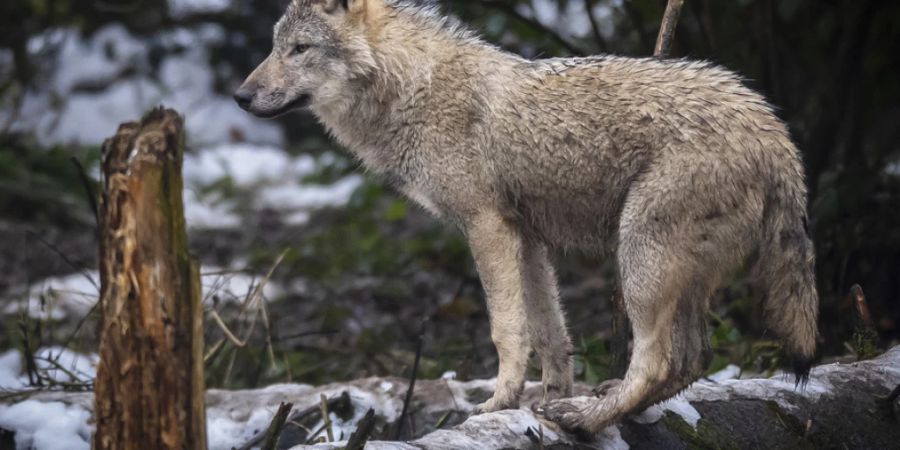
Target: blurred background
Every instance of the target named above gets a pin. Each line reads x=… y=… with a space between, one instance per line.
x=322 y=275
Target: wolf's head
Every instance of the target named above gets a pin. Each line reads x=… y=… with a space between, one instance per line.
x=318 y=48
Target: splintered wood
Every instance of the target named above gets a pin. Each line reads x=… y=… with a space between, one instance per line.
x=149 y=387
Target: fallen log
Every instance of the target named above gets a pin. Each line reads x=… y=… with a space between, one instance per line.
x=837 y=409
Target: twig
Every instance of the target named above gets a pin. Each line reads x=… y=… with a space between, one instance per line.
x=862 y=307
x=443 y=419
x=305 y=334
x=886 y=404
x=323 y=406
x=231 y=337
x=865 y=336
x=75 y=379
x=253 y=298
x=65 y=259
x=667 y=29
x=34 y=378
x=268 y=329
x=315 y=435
x=337 y=404
x=363 y=430
x=274 y=430
x=214 y=349
x=412 y=381
x=88 y=190
x=80 y=324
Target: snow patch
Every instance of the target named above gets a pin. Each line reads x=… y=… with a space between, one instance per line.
x=56 y=363
x=246 y=165
x=730 y=372
x=893 y=169
x=183 y=8
x=229 y=286
x=209 y=212
x=273 y=176
x=683 y=408
x=384 y=406
x=225 y=434
x=74 y=295
x=55 y=298
x=777 y=388
x=47 y=426
x=10 y=370
x=229 y=427
x=68 y=108
x=64 y=366
x=295 y=196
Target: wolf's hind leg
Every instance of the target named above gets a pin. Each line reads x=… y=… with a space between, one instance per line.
x=497 y=249
x=546 y=322
x=652 y=280
x=691 y=353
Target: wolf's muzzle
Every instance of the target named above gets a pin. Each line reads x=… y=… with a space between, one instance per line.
x=244 y=97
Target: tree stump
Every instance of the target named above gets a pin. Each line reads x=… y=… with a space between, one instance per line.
x=149 y=387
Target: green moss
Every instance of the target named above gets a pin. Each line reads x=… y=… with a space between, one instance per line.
x=864 y=343
x=705 y=436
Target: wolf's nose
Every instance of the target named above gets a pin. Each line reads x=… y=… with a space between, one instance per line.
x=244 y=97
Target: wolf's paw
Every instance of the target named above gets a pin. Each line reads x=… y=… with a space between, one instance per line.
x=495 y=404
x=603 y=389
x=556 y=391
x=568 y=414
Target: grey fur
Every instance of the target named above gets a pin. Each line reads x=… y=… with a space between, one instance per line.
x=674 y=165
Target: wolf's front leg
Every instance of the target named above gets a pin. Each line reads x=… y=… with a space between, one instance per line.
x=497 y=248
x=546 y=322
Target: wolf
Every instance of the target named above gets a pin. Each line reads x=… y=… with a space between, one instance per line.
x=673 y=166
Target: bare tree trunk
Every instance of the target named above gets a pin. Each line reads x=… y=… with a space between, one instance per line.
x=149 y=387
x=667 y=29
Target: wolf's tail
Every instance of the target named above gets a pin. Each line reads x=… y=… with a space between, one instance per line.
x=786 y=268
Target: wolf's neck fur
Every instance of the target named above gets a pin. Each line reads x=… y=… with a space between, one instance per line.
x=413 y=41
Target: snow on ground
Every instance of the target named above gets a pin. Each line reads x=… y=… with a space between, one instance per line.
x=730 y=372
x=73 y=296
x=233 y=417
x=10 y=370
x=68 y=107
x=47 y=426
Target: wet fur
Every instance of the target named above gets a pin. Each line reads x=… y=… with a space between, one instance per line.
x=675 y=166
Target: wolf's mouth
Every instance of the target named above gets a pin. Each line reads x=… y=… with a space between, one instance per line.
x=300 y=102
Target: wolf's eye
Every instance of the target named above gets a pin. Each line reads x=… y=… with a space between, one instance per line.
x=299 y=49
